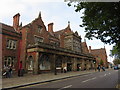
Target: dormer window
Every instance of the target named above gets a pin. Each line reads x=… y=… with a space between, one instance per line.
x=39 y=28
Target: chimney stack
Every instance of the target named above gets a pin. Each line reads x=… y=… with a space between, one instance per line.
x=89 y=49
x=16 y=21
x=50 y=27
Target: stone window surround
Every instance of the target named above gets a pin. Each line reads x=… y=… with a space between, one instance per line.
x=9 y=61
x=39 y=28
x=11 y=44
x=36 y=36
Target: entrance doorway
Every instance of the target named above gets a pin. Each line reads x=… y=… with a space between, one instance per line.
x=78 y=67
x=30 y=64
x=69 y=66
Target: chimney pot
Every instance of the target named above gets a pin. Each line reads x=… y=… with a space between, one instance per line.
x=16 y=21
x=89 y=49
x=50 y=27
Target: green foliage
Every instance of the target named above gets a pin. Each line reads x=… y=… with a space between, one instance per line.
x=101 y=62
x=101 y=20
x=116 y=61
x=115 y=52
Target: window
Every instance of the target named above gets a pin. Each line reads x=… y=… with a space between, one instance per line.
x=39 y=29
x=9 y=61
x=44 y=63
x=11 y=44
x=38 y=39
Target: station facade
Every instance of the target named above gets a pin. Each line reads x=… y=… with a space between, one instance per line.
x=43 y=51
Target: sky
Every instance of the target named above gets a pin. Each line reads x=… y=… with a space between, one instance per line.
x=56 y=11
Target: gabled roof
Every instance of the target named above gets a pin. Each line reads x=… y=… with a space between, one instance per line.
x=9 y=30
x=7 y=27
x=38 y=18
x=64 y=30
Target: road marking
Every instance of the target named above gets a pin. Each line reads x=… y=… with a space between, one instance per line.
x=105 y=74
x=85 y=80
x=65 y=87
x=88 y=80
x=93 y=78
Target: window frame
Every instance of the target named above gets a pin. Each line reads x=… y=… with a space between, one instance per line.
x=11 y=44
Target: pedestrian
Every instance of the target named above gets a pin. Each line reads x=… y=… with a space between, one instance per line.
x=20 y=70
x=98 y=68
x=65 y=69
x=10 y=71
x=7 y=71
x=79 y=68
x=103 y=68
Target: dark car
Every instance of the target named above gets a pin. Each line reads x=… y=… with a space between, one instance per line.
x=115 y=67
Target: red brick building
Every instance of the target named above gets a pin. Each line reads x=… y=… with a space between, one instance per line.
x=69 y=39
x=33 y=33
x=85 y=47
x=100 y=55
x=10 y=46
x=43 y=50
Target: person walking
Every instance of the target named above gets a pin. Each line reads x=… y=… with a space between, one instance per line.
x=10 y=71
x=103 y=68
x=98 y=68
x=20 y=72
x=65 y=69
x=7 y=72
x=79 y=68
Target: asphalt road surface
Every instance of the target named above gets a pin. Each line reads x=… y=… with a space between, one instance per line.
x=103 y=79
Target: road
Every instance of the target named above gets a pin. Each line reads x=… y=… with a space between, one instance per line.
x=103 y=79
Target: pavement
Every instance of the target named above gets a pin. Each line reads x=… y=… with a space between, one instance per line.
x=30 y=79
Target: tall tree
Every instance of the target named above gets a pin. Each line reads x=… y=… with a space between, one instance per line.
x=116 y=61
x=101 y=20
x=115 y=52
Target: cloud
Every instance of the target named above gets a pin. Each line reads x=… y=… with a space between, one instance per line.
x=55 y=11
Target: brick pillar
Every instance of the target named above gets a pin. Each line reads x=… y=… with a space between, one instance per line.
x=83 y=65
x=87 y=64
x=93 y=65
x=36 y=67
x=53 y=64
x=74 y=66
x=53 y=58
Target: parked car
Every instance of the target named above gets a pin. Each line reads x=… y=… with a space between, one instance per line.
x=118 y=66
x=115 y=67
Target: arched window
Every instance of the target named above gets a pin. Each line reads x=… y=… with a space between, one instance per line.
x=44 y=63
